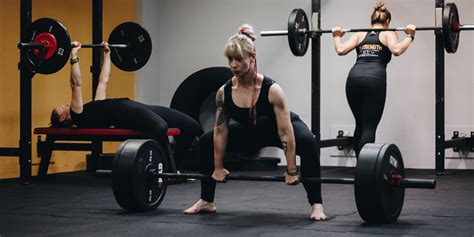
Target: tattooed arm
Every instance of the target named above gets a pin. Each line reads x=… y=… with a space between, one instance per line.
x=285 y=129
x=220 y=136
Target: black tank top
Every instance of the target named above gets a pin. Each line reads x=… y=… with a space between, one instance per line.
x=372 y=58
x=372 y=50
x=242 y=115
x=98 y=113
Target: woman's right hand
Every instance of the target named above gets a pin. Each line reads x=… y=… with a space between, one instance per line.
x=75 y=49
x=337 y=31
x=219 y=175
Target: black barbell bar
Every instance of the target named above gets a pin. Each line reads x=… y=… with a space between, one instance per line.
x=396 y=180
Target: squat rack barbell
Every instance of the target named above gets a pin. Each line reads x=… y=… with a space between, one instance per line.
x=299 y=34
x=456 y=27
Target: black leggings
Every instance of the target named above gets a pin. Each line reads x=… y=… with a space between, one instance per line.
x=155 y=121
x=246 y=139
x=366 y=97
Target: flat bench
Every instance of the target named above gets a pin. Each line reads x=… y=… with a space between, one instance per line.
x=73 y=139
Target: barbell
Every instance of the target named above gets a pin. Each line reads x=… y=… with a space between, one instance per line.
x=45 y=44
x=139 y=180
x=299 y=34
x=50 y=45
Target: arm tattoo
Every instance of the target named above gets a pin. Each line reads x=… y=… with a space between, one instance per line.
x=221 y=110
x=284 y=145
x=75 y=83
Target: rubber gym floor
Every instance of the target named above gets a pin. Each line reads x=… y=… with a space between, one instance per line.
x=80 y=204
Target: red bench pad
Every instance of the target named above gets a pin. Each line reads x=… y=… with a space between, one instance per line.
x=97 y=131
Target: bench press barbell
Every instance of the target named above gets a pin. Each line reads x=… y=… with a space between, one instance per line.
x=50 y=45
x=299 y=34
x=139 y=180
x=46 y=44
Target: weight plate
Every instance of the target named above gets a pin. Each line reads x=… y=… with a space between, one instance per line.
x=298 y=41
x=133 y=187
x=136 y=55
x=195 y=90
x=377 y=200
x=49 y=45
x=391 y=197
x=450 y=35
x=121 y=182
x=52 y=61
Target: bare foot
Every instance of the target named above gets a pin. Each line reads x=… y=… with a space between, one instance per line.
x=317 y=212
x=201 y=206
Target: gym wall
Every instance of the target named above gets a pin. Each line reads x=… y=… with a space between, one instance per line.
x=52 y=90
x=189 y=35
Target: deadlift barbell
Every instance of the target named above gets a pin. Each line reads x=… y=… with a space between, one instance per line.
x=50 y=45
x=299 y=34
x=139 y=180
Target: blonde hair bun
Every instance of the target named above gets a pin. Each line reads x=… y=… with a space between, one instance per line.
x=247 y=30
x=380 y=6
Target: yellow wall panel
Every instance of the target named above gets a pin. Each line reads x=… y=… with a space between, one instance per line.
x=52 y=90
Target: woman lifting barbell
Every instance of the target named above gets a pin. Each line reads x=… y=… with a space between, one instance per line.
x=153 y=120
x=259 y=107
x=366 y=82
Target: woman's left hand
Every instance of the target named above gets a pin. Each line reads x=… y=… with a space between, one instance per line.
x=337 y=32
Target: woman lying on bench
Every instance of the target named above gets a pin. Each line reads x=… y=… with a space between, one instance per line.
x=122 y=112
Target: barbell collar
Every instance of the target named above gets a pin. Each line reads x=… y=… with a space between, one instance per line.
x=101 y=45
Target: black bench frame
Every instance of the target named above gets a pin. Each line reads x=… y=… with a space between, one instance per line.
x=76 y=142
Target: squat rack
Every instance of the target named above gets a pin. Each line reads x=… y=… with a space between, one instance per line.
x=441 y=143
x=26 y=76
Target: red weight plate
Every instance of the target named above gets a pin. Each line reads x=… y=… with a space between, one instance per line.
x=49 y=45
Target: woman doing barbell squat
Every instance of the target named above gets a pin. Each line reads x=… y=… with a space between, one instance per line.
x=366 y=84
